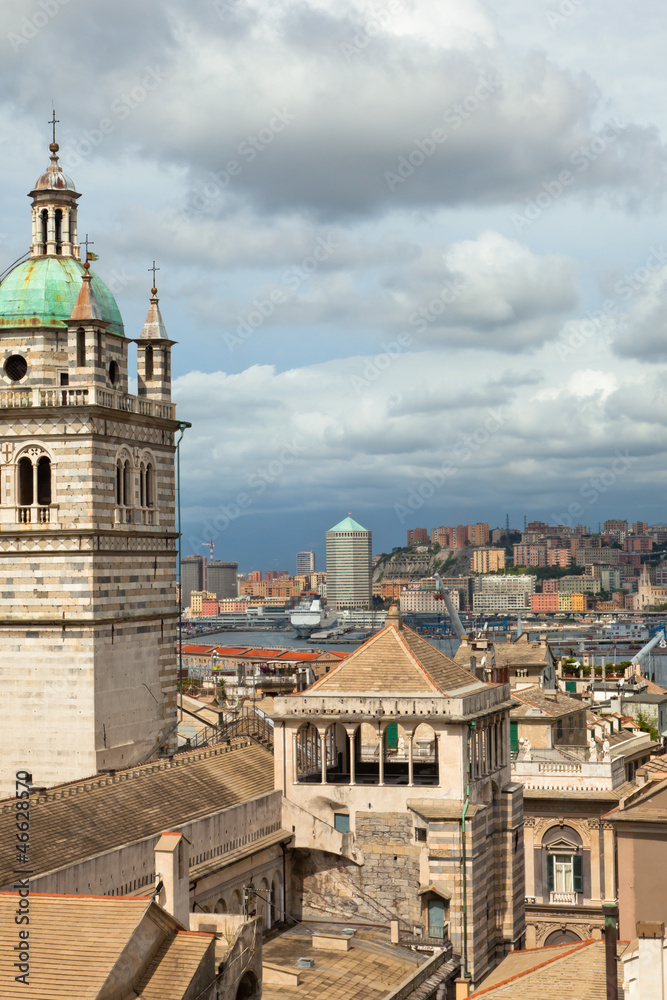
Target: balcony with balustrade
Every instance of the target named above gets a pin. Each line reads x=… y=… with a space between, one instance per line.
x=92 y=395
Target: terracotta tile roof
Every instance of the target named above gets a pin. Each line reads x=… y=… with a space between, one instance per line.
x=368 y=971
x=77 y=940
x=88 y=817
x=550 y=703
x=563 y=972
x=171 y=971
x=397 y=661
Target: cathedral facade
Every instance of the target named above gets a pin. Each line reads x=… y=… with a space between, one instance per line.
x=88 y=611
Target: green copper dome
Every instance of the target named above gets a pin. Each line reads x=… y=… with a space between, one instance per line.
x=42 y=291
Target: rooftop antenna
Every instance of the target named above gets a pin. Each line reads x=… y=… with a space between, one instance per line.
x=211 y=543
x=524 y=522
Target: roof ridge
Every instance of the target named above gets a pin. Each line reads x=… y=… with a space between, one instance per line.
x=420 y=665
x=534 y=968
x=327 y=676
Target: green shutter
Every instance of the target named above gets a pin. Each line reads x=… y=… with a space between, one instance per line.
x=550 y=873
x=391 y=736
x=571 y=686
x=578 y=873
x=514 y=736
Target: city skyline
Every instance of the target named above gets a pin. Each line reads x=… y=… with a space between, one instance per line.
x=501 y=223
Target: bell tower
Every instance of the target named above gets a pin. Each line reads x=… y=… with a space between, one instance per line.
x=88 y=607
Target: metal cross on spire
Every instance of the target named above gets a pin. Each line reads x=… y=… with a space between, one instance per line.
x=86 y=243
x=153 y=269
x=54 y=121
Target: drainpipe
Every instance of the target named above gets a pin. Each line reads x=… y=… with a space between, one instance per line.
x=182 y=428
x=610 y=911
x=464 y=970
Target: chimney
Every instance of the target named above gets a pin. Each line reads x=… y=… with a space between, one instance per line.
x=650 y=973
x=610 y=911
x=172 y=869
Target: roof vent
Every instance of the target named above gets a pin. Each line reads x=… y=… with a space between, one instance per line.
x=305 y=963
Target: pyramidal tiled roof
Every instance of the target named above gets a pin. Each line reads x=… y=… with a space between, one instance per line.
x=396 y=661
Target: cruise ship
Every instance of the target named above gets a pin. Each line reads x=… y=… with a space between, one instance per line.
x=309 y=617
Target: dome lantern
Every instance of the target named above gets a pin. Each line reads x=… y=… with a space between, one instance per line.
x=54 y=211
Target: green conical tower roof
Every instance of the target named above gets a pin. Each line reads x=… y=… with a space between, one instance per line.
x=348 y=524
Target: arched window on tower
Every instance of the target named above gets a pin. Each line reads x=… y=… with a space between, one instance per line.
x=150 y=485
x=59 y=230
x=44 y=481
x=25 y=482
x=142 y=485
x=80 y=348
x=119 y=483
x=127 y=484
x=148 y=365
x=44 y=219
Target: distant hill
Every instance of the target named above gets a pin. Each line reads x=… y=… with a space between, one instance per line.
x=422 y=560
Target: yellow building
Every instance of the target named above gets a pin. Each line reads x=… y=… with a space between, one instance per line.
x=565 y=601
x=579 y=602
x=488 y=560
x=196 y=597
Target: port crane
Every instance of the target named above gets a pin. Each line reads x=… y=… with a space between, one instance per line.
x=444 y=595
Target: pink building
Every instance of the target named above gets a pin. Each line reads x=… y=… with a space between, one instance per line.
x=638 y=543
x=544 y=602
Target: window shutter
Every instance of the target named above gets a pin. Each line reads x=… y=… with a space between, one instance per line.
x=578 y=873
x=550 y=873
x=514 y=736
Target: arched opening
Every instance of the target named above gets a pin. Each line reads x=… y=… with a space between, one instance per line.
x=236 y=902
x=80 y=348
x=206 y=909
x=25 y=482
x=167 y=363
x=142 y=485
x=425 y=756
x=308 y=754
x=264 y=907
x=562 y=936
x=114 y=372
x=338 y=755
x=59 y=230
x=367 y=755
x=148 y=362
x=126 y=484
x=150 y=485
x=119 y=483
x=220 y=906
x=44 y=218
x=44 y=481
x=247 y=987
x=276 y=900
x=396 y=750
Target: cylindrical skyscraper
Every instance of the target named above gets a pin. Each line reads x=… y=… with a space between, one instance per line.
x=349 y=548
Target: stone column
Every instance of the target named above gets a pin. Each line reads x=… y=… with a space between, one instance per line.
x=323 y=752
x=351 y=745
x=594 y=837
x=609 y=867
x=381 y=756
x=66 y=240
x=411 y=765
x=529 y=855
x=34 y=483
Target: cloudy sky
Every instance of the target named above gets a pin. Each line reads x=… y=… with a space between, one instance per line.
x=414 y=254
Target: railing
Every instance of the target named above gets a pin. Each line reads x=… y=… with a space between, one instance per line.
x=550 y=767
x=249 y=724
x=84 y=396
x=569 y=898
x=431 y=937
x=37 y=514
x=136 y=515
